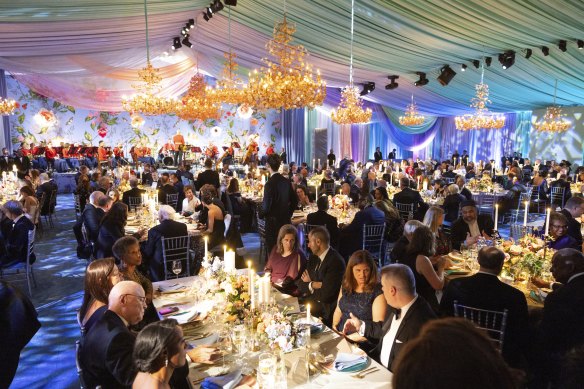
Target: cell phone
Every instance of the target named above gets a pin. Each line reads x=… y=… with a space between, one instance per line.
x=168 y=310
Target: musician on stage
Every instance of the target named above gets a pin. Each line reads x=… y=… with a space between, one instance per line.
x=25 y=150
x=50 y=155
x=179 y=147
x=89 y=152
x=227 y=157
x=102 y=154
x=251 y=153
x=119 y=155
x=212 y=152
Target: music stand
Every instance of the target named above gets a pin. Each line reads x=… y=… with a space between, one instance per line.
x=196 y=150
x=235 y=145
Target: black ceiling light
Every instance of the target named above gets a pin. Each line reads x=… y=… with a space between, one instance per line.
x=463 y=68
x=217 y=6
x=208 y=14
x=185 y=30
x=528 y=53
x=545 y=50
x=176 y=43
x=563 y=45
x=476 y=63
x=191 y=23
x=423 y=80
x=231 y=2
x=368 y=87
x=186 y=41
x=446 y=75
x=507 y=59
x=580 y=43
x=488 y=61
x=392 y=85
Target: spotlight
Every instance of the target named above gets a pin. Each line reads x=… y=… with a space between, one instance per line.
x=191 y=23
x=184 y=31
x=507 y=59
x=545 y=50
x=476 y=63
x=423 y=80
x=463 y=68
x=206 y=16
x=217 y=6
x=488 y=61
x=392 y=85
x=580 y=43
x=231 y=2
x=209 y=12
x=186 y=41
x=176 y=43
x=446 y=75
x=528 y=53
x=368 y=87
x=563 y=45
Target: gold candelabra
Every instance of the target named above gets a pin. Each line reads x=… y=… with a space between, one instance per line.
x=553 y=120
x=195 y=104
x=7 y=106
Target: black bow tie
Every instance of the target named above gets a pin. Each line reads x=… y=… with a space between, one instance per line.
x=397 y=313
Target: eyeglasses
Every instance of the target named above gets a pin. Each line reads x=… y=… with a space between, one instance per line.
x=140 y=298
x=559 y=226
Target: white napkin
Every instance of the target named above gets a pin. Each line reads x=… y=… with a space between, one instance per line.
x=346 y=360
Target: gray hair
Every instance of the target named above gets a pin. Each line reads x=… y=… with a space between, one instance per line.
x=95 y=196
x=14 y=207
x=133 y=182
x=166 y=212
x=453 y=189
x=410 y=227
x=402 y=274
x=285 y=168
x=43 y=177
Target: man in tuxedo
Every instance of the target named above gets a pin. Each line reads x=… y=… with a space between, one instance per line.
x=134 y=192
x=321 y=281
x=561 y=182
x=573 y=209
x=146 y=175
x=377 y=156
x=392 y=154
x=166 y=188
x=279 y=202
x=208 y=176
x=484 y=290
x=16 y=243
x=351 y=238
x=180 y=189
x=283 y=155
x=463 y=190
x=464 y=157
x=562 y=325
x=152 y=249
x=470 y=226
x=22 y=163
x=322 y=218
x=91 y=216
x=410 y=312
x=6 y=161
x=408 y=195
x=331 y=159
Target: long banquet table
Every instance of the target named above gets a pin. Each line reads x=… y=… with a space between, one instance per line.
x=328 y=341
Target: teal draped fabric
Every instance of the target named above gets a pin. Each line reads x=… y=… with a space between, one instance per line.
x=394 y=114
x=522 y=131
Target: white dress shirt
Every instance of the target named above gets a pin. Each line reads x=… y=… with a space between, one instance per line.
x=474 y=228
x=389 y=338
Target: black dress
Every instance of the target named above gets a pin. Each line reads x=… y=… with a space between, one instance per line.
x=217 y=237
x=423 y=287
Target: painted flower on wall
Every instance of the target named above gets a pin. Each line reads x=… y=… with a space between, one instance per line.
x=102 y=130
x=254 y=122
x=45 y=118
x=137 y=121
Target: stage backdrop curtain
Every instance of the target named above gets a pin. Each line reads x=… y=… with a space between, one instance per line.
x=311 y=124
x=293 y=134
x=5 y=123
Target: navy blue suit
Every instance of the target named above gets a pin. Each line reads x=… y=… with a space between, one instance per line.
x=351 y=238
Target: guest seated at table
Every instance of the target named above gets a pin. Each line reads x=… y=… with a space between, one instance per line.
x=451 y=353
x=216 y=200
x=511 y=179
x=452 y=203
x=434 y=219
x=114 y=194
x=15 y=244
x=166 y=188
x=408 y=195
x=104 y=184
x=302 y=194
x=134 y=192
x=322 y=218
x=427 y=267
x=356 y=190
x=208 y=176
x=380 y=194
x=152 y=248
x=558 y=232
x=351 y=238
x=439 y=187
x=321 y=281
x=410 y=312
x=540 y=185
x=286 y=262
x=215 y=218
x=190 y=203
x=561 y=182
x=83 y=190
x=177 y=183
x=95 y=176
x=100 y=277
x=146 y=176
x=572 y=210
x=92 y=215
x=361 y=295
x=470 y=226
x=30 y=204
x=401 y=246
x=111 y=228
x=327 y=179
x=46 y=188
x=484 y=290
x=299 y=180
x=511 y=199
x=394 y=225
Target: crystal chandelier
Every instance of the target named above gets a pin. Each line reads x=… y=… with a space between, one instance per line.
x=7 y=107
x=553 y=120
x=288 y=82
x=350 y=109
x=195 y=104
x=412 y=117
x=482 y=118
x=146 y=100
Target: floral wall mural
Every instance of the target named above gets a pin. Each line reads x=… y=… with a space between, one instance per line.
x=40 y=118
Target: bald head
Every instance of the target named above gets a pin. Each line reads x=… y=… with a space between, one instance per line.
x=95 y=196
x=127 y=300
x=566 y=263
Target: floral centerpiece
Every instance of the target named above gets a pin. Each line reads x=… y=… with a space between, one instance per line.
x=483 y=185
x=339 y=202
x=277 y=329
x=528 y=255
x=315 y=180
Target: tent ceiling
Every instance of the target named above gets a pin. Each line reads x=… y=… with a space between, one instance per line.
x=391 y=37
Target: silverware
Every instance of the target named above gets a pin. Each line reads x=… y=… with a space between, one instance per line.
x=197 y=337
x=365 y=372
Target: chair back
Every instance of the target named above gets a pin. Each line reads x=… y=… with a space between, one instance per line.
x=176 y=249
x=30 y=251
x=172 y=200
x=78 y=366
x=134 y=202
x=487 y=204
x=53 y=201
x=261 y=223
x=492 y=322
x=373 y=237
x=406 y=211
x=449 y=180
x=305 y=231
x=77 y=206
x=557 y=195
x=328 y=188
x=518 y=231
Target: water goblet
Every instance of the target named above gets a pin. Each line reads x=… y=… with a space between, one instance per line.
x=177 y=267
x=267 y=370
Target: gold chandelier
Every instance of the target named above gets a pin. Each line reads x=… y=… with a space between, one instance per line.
x=482 y=118
x=350 y=109
x=412 y=117
x=7 y=107
x=288 y=82
x=146 y=101
x=553 y=120
x=195 y=104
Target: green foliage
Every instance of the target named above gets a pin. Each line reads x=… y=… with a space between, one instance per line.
x=21 y=118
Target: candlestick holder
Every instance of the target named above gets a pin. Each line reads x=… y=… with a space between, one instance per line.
x=497 y=238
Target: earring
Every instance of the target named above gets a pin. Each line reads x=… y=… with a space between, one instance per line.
x=166 y=362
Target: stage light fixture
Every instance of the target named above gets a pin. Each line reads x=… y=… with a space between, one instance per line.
x=446 y=75
x=209 y=12
x=206 y=17
x=176 y=43
x=545 y=50
x=580 y=43
x=463 y=68
x=563 y=45
x=423 y=80
x=507 y=59
x=528 y=53
x=488 y=61
x=392 y=85
x=231 y=2
x=217 y=6
x=184 y=31
x=191 y=23
x=368 y=87
x=476 y=63
x=186 y=41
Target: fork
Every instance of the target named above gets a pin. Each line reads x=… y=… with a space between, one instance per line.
x=363 y=373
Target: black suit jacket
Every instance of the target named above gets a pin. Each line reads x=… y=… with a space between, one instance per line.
x=207 y=177
x=466 y=193
x=451 y=206
x=152 y=249
x=330 y=272
x=106 y=354
x=460 y=229
x=6 y=163
x=408 y=196
x=377 y=156
x=108 y=234
x=17 y=242
x=22 y=166
x=91 y=217
x=573 y=227
x=418 y=314
x=279 y=203
x=485 y=291
x=46 y=189
x=322 y=218
x=147 y=179
x=134 y=192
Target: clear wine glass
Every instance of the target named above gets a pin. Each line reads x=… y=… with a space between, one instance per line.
x=225 y=344
x=177 y=267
